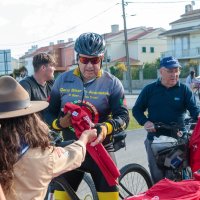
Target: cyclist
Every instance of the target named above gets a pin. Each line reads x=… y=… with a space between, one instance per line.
x=166 y=101
x=91 y=87
x=28 y=161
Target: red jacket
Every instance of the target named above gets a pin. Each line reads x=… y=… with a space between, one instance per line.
x=80 y=122
x=194 y=146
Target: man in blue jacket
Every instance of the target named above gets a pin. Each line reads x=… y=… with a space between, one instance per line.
x=166 y=101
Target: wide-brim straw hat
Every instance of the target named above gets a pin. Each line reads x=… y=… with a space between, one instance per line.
x=15 y=100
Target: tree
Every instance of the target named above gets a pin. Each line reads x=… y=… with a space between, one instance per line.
x=192 y=64
x=150 y=69
x=118 y=69
x=16 y=73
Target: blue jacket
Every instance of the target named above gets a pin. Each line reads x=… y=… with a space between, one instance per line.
x=165 y=105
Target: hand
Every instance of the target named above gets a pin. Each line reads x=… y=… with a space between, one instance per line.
x=88 y=136
x=65 y=121
x=149 y=126
x=102 y=131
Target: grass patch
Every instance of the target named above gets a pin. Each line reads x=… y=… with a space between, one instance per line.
x=133 y=124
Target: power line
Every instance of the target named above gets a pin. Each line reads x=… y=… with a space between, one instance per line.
x=159 y=2
x=65 y=31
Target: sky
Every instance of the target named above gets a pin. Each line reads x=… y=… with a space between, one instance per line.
x=24 y=23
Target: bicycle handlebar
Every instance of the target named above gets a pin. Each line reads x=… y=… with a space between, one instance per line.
x=173 y=126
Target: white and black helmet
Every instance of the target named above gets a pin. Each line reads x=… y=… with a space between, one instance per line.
x=91 y=44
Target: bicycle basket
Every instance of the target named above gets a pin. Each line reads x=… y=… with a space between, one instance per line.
x=169 y=155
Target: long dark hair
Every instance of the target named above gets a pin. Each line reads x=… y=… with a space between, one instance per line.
x=29 y=129
x=192 y=74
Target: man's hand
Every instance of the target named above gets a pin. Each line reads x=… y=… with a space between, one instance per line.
x=65 y=121
x=149 y=126
x=102 y=131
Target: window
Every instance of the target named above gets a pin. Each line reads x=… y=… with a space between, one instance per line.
x=151 y=49
x=144 y=50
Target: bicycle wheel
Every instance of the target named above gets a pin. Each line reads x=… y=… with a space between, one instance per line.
x=64 y=185
x=134 y=179
x=87 y=190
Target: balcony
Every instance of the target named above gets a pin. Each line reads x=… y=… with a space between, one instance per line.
x=183 y=54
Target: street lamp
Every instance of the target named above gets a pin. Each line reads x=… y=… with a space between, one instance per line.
x=127 y=51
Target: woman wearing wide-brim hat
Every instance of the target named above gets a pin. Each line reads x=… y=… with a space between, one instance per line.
x=27 y=160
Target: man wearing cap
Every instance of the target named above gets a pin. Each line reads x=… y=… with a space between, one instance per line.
x=167 y=101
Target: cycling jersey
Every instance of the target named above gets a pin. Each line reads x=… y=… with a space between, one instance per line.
x=105 y=93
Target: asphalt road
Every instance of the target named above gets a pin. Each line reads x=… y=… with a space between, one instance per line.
x=134 y=151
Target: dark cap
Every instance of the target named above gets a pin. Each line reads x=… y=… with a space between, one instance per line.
x=169 y=62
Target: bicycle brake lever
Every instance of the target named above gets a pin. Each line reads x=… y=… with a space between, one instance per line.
x=98 y=128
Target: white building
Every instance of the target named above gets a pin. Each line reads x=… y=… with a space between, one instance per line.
x=183 y=40
x=144 y=43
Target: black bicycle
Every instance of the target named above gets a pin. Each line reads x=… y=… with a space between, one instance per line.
x=172 y=152
x=134 y=178
x=86 y=190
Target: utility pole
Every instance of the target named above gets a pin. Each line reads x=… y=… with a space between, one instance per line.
x=129 y=74
x=5 y=61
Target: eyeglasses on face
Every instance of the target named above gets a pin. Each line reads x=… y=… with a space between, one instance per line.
x=94 y=60
x=172 y=71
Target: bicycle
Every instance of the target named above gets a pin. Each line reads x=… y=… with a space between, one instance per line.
x=133 y=180
x=172 y=153
x=86 y=190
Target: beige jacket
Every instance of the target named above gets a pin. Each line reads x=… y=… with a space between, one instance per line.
x=34 y=171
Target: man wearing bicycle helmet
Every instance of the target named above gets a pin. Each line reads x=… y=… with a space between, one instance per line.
x=167 y=101
x=97 y=91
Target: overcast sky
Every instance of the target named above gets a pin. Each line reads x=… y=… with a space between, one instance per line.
x=24 y=23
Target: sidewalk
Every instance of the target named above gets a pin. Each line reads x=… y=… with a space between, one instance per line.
x=131 y=98
x=134 y=92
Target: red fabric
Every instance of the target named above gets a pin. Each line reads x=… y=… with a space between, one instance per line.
x=194 y=145
x=81 y=121
x=170 y=190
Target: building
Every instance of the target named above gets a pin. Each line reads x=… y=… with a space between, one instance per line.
x=5 y=62
x=183 y=40
x=144 y=43
x=63 y=53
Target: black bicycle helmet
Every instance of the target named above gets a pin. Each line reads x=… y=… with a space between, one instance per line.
x=91 y=44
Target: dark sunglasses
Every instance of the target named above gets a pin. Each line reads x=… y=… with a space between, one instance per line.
x=94 y=60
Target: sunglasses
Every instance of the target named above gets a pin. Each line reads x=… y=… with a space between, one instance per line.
x=94 y=60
